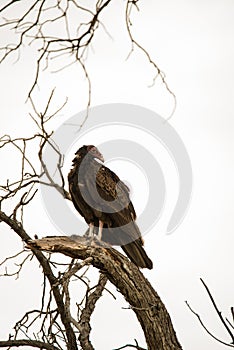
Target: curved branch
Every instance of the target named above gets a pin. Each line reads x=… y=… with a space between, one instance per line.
x=87 y=312
x=226 y=323
x=128 y=279
x=219 y=313
x=159 y=72
x=205 y=328
x=27 y=342
x=18 y=228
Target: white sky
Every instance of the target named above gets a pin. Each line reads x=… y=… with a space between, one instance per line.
x=192 y=42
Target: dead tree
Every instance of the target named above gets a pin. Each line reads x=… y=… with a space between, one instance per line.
x=55 y=324
x=58 y=328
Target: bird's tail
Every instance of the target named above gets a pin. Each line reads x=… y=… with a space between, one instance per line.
x=137 y=254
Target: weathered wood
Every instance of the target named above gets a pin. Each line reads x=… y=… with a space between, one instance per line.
x=18 y=228
x=128 y=279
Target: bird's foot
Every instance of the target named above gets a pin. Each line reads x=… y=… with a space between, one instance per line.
x=91 y=230
x=100 y=228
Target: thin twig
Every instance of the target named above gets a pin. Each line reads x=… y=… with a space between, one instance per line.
x=206 y=329
x=218 y=312
x=131 y=346
x=159 y=73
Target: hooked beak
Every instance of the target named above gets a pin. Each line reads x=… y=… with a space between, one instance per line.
x=100 y=157
x=94 y=152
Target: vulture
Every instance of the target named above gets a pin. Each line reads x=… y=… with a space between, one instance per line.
x=103 y=200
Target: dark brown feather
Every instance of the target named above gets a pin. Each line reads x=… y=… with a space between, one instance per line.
x=92 y=180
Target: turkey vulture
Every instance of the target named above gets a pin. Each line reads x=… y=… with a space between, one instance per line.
x=103 y=200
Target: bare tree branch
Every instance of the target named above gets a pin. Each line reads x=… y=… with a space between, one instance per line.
x=27 y=342
x=218 y=312
x=17 y=227
x=130 y=5
x=226 y=323
x=73 y=44
x=132 y=284
x=33 y=173
x=33 y=25
x=88 y=310
x=206 y=329
x=131 y=346
x=19 y=265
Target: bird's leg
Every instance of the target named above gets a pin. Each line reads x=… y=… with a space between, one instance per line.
x=100 y=227
x=91 y=230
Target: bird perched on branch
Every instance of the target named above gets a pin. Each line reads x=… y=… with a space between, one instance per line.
x=103 y=200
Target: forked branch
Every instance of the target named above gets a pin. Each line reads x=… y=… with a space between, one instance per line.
x=142 y=298
x=225 y=322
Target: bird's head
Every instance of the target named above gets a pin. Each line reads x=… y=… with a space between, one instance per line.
x=90 y=151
